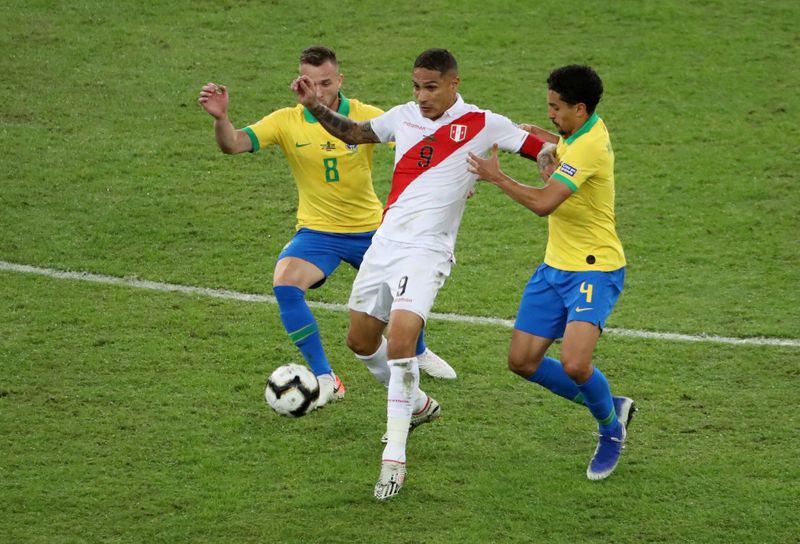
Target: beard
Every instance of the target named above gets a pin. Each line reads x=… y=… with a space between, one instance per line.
x=559 y=129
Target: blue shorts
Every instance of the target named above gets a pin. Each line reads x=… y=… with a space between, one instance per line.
x=326 y=250
x=552 y=298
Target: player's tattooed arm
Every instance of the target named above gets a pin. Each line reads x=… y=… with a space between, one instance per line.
x=345 y=129
x=340 y=126
x=546 y=160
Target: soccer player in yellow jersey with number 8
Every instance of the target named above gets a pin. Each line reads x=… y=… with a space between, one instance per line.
x=572 y=293
x=338 y=209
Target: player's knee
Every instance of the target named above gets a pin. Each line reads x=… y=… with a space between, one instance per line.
x=285 y=278
x=520 y=365
x=360 y=345
x=401 y=346
x=355 y=343
x=577 y=369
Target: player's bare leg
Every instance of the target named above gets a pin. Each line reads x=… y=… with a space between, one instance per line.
x=526 y=352
x=577 y=348
x=365 y=339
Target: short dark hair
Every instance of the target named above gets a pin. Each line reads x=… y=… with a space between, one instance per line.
x=318 y=55
x=577 y=83
x=440 y=60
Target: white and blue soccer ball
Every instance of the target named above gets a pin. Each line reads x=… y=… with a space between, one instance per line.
x=292 y=390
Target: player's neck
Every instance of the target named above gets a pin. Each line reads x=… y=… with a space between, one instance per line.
x=581 y=122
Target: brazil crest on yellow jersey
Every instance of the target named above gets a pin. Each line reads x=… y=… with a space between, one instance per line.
x=582 y=232
x=334 y=179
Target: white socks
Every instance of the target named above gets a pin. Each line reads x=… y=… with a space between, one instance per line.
x=377 y=364
x=403 y=396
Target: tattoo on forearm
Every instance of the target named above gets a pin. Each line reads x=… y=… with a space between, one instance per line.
x=336 y=124
x=344 y=128
x=368 y=134
x=545 y=161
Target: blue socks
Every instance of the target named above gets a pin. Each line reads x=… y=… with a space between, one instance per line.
x=551 y=375
x=597 y=396
x=595 y=393
x=421 y=347
x=299 y=322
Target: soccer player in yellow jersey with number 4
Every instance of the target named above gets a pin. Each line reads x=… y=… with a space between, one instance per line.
x=571 y=295
x=338 y=210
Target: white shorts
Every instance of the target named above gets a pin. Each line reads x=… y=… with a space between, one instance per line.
x=395 y=276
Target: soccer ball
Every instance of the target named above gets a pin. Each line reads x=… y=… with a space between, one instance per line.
x=292 y=390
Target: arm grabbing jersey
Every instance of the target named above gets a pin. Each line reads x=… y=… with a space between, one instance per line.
x=431 y=181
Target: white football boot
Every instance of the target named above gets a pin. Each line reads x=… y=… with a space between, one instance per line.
x=393 y=474
x=331 y=389
x=434 y=366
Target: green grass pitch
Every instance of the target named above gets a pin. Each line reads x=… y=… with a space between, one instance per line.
x=131 y=415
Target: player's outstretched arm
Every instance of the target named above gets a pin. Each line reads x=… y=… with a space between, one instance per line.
x=214 y=99
x=540 y=200
x=345 y=129
x=540 y=133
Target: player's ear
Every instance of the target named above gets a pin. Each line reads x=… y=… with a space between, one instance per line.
x=455 y=82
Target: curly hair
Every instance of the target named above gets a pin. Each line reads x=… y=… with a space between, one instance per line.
x=577 y=83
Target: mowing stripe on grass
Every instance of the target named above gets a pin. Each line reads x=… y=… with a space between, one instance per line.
x=247 y=297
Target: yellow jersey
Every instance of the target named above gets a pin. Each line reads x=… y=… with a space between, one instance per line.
x=334 y=179
x=582 y=230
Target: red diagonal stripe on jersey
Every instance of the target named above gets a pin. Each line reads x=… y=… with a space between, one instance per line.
x=412 y=164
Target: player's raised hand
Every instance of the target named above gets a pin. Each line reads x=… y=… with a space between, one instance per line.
x=305 y=91
x=214 y=99
x=486 y=169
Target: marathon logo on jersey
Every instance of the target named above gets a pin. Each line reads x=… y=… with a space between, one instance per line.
x=352 y=147
x=569 y=170
x=458 y=133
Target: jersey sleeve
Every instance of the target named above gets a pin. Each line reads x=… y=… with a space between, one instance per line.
x=384 y=125
x=578 y=163
x=513 y=139
x=266 y=131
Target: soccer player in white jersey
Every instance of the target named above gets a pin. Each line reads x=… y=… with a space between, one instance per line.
x=337 y=213
x=413 y=249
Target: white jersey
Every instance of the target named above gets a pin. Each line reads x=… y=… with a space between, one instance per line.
x=431 y=181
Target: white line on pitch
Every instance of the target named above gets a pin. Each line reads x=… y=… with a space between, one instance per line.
x=234 y=295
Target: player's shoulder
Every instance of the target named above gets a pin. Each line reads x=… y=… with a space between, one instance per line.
x=409 y=110
x=497 y=121
x=467 y=107
x=410 y=106
x=362 y=110
x=283 y=114
x=596 y=139
x=360 y=104
x=594 y=131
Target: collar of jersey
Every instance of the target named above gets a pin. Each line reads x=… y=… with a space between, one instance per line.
x=344 y=109
x=452 y=111
x=587 y=126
